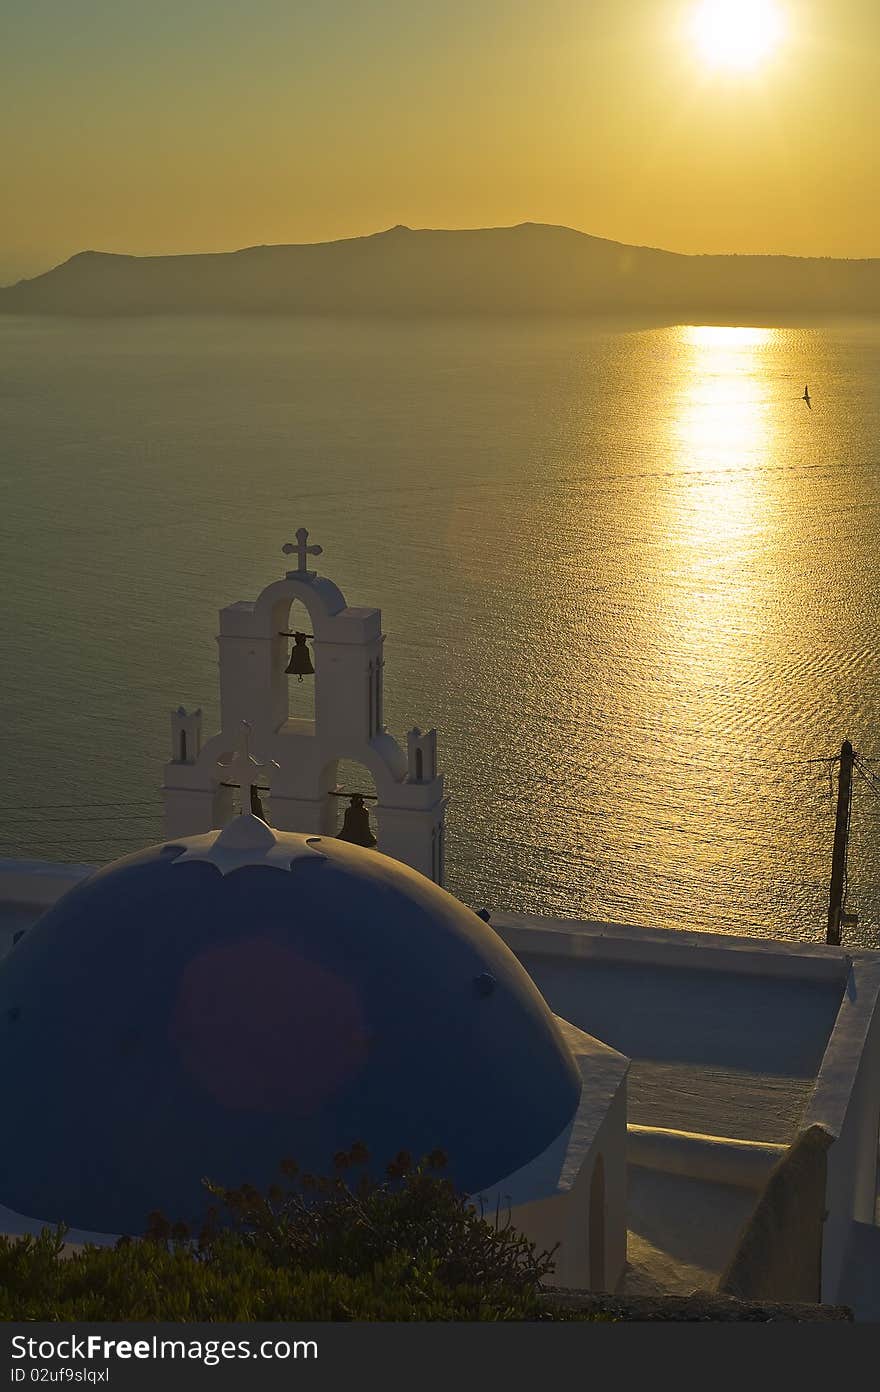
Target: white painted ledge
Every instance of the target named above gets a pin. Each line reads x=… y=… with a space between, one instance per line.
x=717 y=1159
x=578 y=940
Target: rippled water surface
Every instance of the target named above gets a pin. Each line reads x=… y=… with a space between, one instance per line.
x=627 y=573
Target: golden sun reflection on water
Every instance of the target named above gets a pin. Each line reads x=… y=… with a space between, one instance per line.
x=722 y=433
x=712 y=592
x=724 y=416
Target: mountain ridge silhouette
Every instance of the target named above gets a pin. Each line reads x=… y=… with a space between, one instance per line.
x=528 y=268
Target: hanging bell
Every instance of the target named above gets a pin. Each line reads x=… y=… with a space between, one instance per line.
x=356 y=823
x=300 y=663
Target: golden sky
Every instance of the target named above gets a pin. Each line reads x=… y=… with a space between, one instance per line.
x=206 y=125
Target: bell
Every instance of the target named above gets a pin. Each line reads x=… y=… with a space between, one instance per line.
x=300 y=663
x=356 y=823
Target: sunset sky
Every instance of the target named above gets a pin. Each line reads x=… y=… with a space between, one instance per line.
x=206 y=125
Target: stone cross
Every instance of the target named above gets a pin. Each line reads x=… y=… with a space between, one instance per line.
x=244 y=767
x=303 y=551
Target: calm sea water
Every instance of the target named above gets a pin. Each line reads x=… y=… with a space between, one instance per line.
x=627 y=573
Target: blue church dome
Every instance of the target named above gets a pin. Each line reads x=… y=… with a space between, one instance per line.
x=214 y=1005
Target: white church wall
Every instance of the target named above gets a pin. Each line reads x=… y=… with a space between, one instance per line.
x=300 y=814
x=250 y=688
x=566 y=1220
x=415 y=837
x=611 y=1144
x=846 y=1100
x=551 y=1200
x=189 y=811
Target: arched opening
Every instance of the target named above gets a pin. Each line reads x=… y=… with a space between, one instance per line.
x=597 y=1226
x=420 y=765
x=353 y=778
x=183 y=746
x=300 y=689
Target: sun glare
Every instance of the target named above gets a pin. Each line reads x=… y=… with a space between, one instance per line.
x=736 y=34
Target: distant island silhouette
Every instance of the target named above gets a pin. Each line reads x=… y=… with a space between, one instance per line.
x=532 y=268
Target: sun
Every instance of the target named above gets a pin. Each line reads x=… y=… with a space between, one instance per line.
x=736 y=34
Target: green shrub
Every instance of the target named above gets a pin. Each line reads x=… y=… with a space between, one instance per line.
x=408 y=1247
x=150 y=1281
x=351 y=1222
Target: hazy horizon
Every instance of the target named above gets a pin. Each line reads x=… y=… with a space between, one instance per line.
x=156 y=132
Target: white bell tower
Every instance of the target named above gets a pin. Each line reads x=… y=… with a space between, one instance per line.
x=301 y=756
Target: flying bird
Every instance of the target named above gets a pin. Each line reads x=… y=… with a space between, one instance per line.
x=806 y=397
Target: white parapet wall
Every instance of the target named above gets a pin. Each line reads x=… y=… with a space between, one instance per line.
x=845 y=1097
x=38 y=882
x=846 y=1101
x=27 y=889
x=577 y=940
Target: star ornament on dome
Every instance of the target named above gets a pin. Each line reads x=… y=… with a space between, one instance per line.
x=247 y=840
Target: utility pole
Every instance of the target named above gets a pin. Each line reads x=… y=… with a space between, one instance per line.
x=836 y=916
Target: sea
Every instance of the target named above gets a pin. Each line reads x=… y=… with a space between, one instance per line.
x=626 y=571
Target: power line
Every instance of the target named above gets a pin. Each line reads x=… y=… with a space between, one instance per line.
x=870 y=778
x=78 y=806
